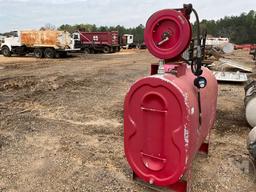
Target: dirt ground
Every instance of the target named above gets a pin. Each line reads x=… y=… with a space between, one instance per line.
x=61 y=127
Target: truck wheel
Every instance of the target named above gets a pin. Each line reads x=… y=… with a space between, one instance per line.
x=87 y=51
x=116 y=49
x=50 y=53
x=6 y=51
x=39 y=53
x=106 y=49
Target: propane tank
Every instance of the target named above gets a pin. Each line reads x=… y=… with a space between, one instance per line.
x=252 y=143
x=250 y=103
x=168 y=115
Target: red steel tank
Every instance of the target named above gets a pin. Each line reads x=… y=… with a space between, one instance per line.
x=168 y=115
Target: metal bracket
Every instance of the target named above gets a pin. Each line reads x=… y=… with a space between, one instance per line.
x=154 y=69
x=204 y=148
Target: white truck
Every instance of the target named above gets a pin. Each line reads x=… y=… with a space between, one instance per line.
x=43 y=43
x=1 y=41
x=128 y=41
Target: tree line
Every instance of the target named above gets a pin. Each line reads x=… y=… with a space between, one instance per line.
x=240 y=29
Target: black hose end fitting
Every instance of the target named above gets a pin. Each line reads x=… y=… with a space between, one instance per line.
x=188 y=8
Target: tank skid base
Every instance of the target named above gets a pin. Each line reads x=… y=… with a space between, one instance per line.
x=181 y=186
x=184 y=185
x=204 y=149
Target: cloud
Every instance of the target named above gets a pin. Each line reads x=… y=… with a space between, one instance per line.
x=26 y=14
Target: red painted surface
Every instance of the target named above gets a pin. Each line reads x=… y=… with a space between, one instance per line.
x=253 y=47
x=246 y=46
x=161 y=125
x=172 y=22
x=100 y=38
x=124 y=40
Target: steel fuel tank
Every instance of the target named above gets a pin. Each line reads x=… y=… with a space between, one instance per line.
x=250 y=103
x=168 y=115
x=162 y=130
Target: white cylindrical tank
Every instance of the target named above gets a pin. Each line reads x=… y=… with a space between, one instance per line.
x=250 y=103
x=252 y=142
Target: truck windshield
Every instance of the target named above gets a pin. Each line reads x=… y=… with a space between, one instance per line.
x=12 y=34
x=15 y=33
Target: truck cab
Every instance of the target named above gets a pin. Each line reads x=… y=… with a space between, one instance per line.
x=10 y=42
x=77 y=40
x=127 y=41
x=1 y=41
x=12 y=39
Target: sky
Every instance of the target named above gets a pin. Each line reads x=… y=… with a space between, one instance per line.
x=33 y=14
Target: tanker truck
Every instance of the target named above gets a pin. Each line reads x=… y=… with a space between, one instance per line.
x=43 y=43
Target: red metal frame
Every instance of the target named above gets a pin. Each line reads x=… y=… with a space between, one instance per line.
x=154 y=69
x=204 y=148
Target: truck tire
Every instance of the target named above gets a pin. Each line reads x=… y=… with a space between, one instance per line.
x=50 y=53
x=116 y=49
x=6 y=51
x=87 y=51
x=39 y=53
x=106 y=49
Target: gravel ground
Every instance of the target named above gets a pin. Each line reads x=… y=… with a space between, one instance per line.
x=61 y=127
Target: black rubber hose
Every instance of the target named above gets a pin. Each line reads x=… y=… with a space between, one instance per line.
x=198 y=26
x=196 y=66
